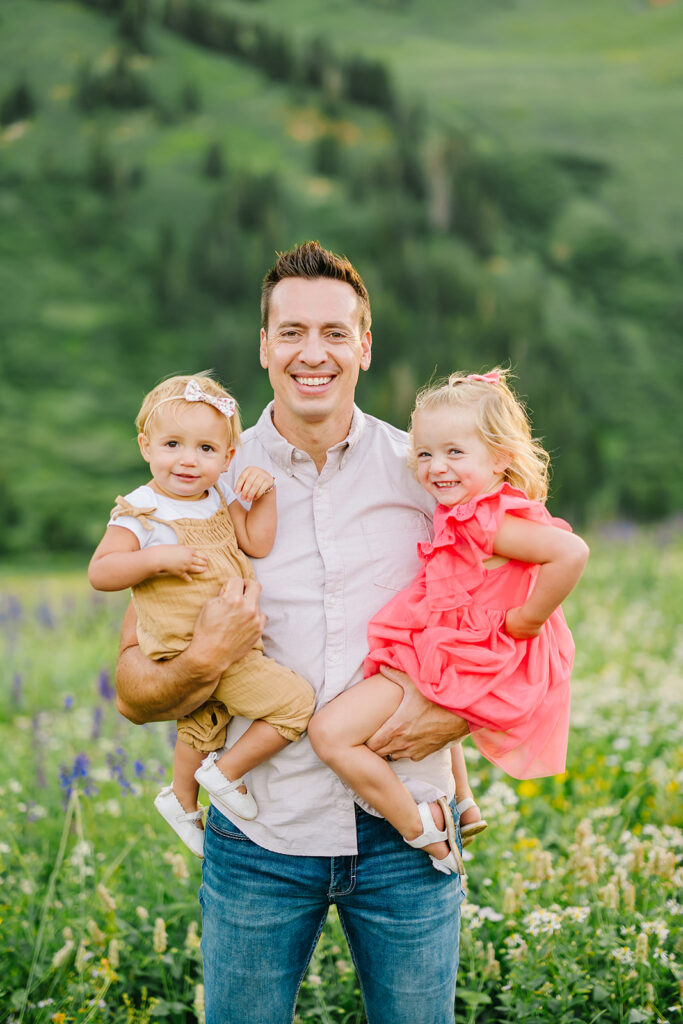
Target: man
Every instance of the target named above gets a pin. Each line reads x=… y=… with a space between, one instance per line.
x=349 y=516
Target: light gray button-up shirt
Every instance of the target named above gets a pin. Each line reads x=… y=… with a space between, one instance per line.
x=346 y=542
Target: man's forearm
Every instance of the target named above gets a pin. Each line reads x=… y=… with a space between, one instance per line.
x=228 y=626
x=156 y=691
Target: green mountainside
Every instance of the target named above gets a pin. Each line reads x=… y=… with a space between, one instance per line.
x=481 y=166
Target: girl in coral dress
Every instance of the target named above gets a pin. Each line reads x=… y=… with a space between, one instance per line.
x=480 y=630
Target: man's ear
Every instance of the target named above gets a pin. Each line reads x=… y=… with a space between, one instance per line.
x=365 y=350
x=143 y=442
x=263 y=350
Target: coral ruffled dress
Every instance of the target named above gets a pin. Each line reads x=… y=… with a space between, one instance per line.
x=446 y=630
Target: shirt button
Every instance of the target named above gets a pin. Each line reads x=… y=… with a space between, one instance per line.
x=333 y=659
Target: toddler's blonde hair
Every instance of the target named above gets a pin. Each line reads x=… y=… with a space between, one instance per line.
x=170 y=392
x=501 y=421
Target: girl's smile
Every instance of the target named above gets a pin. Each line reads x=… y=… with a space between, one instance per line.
x=186 y=447
x=453 y=463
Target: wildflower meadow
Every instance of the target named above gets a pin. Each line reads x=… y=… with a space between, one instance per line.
x=574 y=908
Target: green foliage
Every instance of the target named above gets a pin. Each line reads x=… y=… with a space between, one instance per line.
x=574 y=893
x=148 y=192
x=17 y=104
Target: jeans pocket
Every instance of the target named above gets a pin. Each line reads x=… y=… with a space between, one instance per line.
x=223 y=827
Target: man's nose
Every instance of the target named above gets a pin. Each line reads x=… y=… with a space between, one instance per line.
x=313 y=349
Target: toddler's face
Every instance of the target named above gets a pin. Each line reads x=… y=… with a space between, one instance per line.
x=187 y=449
x=453 y=463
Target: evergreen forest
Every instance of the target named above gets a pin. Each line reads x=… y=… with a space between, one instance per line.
x=504 y=174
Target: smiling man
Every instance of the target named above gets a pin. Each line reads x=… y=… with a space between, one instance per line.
x=350 y=515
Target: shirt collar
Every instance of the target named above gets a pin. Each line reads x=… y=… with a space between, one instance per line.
x=286 y=455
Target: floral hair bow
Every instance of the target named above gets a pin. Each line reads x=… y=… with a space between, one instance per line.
x=193 y=393
x=492 y=377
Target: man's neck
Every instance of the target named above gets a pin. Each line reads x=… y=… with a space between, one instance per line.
x=313 y=437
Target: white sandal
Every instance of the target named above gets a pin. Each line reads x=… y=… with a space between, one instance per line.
x=470 y=831
x=223 y=791
x=452 y=863
x=183 y=823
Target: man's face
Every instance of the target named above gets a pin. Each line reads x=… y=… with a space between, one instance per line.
x=313 y=351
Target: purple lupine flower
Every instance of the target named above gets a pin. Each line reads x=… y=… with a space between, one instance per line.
x=68 y=702
x=106 y=690
x=45 y=616
x=17 y=689
x=96 y=723
x=139 y=769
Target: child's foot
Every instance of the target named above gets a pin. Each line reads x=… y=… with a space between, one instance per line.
x=471 y=821
x=186 y=824
x=232 y=795
x=438 y=837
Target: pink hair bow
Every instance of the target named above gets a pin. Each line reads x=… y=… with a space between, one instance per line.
x=193 y=393
x=492 y=377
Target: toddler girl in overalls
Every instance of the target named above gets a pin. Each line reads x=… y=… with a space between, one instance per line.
x=480 y=630
x=176 y=541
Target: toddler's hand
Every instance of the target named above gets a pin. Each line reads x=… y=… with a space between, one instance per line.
x=253 y=482
x=518 y=627
x=179 y=560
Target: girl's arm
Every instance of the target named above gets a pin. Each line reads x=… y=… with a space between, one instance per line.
x=119 y=562
x=561 y=556
x=255 y=529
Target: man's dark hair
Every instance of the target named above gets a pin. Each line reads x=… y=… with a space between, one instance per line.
x=310 y=260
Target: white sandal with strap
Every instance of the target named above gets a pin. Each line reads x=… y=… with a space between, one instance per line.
x=225 y=792
x=452 y=863
x=183 y=823
x=469 y=831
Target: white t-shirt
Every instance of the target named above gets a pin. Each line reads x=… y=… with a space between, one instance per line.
x=169 y=509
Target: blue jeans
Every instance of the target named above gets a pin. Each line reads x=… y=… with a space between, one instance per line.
x=263 y=913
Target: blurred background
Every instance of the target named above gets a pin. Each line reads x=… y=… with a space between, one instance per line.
x=505 y=175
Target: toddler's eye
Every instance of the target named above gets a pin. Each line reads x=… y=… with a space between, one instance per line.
x=454 y=451
x=171 y=444
x=422 y=455
x=208 y=448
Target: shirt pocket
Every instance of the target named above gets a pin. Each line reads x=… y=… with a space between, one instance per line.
x=391 y=542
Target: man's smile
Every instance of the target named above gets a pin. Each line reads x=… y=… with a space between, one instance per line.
x=312 y=382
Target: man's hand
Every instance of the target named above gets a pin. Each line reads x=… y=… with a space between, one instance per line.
x=418 y=727
x=226 y=629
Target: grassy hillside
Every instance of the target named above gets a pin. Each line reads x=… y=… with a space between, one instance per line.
x=149 y=174
x=601 y=81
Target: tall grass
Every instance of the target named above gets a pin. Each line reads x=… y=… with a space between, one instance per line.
x=574 y=907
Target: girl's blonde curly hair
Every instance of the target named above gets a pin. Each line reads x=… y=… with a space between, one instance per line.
x=500 y=420
x=170 y=393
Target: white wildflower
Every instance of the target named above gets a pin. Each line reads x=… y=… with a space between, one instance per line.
x=542 y=922
x=623 y=955
x=192 y=940
x=159 y=939
x=62 y=954
x=578 y=914
x=105 y=897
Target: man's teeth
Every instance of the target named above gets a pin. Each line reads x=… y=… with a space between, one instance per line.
x=313 y=382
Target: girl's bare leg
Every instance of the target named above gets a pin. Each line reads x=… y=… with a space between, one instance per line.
x=462 y=786
x=338 y=734
x=255 y=746
x=186 y=760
